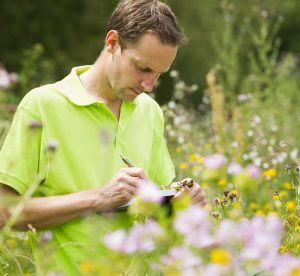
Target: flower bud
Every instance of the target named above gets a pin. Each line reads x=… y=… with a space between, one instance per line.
x=217 y=201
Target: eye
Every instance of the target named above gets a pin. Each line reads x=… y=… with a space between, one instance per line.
x=141 y=69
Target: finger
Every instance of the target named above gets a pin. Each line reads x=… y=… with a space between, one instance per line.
x=181 y=192
x=132 y=189
x=122 y=198
x=196 y=190
x=124 y=177
x=176 y=185
x=200 y=204
x=121 y=188
x=130 y=183
x=136 y=172
x=199 y=199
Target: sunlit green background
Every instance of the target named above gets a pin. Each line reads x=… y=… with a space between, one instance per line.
x=72 y=34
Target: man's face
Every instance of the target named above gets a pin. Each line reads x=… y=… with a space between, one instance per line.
x=136 y=68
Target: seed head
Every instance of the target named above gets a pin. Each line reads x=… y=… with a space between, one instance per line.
x=217 y=201
x=226 y=192
x=232 y=196
x=287 y=168
x=215 y=214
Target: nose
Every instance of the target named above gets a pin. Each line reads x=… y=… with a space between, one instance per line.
x=147 y=85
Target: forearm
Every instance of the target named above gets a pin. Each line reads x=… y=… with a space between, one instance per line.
x=45 y=212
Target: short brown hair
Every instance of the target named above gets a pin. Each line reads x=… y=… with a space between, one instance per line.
x=133 y=18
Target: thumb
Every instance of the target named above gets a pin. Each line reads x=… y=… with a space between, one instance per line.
x=181 y=192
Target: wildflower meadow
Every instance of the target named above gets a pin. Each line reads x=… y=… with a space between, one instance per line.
x=240 y=143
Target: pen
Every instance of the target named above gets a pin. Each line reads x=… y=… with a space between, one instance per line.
x=127 y=161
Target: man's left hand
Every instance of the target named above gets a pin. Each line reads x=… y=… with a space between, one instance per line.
x=196 y=192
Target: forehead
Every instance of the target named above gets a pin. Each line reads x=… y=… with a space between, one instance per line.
x=150 y=52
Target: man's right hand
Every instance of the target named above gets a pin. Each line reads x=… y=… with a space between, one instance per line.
x=120 y=189
x=45 y=212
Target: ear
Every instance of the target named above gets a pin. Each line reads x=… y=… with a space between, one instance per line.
x=112 y=41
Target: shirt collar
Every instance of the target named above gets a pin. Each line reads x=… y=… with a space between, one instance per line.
x=72 y=87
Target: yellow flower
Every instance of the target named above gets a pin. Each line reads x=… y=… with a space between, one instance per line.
x=178 y=150
x=297 y=228
x=237 y=205
x=294 y=272
x=220 y=256
x=275 y=197
x=88 y=266
x=193 y=157
x=260 y=213
x=253 y=205
x=283 y=193
x=283 y=249
x=200 y=160
x=270 y=173
x=222 y=182
x=183 y=166
x=287 y=185
x=291 y=205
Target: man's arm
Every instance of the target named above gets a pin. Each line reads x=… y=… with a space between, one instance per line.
x=45 y=212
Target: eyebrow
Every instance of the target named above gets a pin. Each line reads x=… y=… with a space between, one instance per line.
x=147 y=68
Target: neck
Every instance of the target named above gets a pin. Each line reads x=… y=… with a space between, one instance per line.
x=96 y=83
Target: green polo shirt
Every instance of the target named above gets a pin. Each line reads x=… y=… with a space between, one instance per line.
x=89 y=140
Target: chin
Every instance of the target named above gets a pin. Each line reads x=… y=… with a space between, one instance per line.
x=128 y=98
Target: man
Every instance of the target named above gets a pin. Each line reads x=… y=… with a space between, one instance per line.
x=66 y=138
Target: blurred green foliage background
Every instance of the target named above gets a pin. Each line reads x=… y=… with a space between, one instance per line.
x=71 y=33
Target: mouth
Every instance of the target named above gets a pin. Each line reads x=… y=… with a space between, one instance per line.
x=136 y=92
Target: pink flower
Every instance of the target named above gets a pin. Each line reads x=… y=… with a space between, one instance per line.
x=254 y=171
x=180 y=257
x=261 y=239
x=234 y=168
x=215 y=161
x=285 y=265
x=194 y=224
x=228 y=233
x=149 y=192
x=115 y=240
x=141 y=237
x=6 y=79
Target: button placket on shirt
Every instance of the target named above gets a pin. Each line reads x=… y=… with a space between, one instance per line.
x=120 y=129
x=125 y=115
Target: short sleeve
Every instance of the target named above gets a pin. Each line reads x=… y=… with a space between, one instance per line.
x=161 y=169
x=20 y=153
